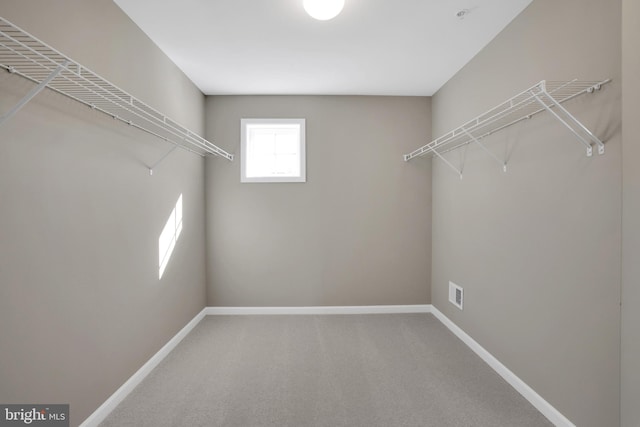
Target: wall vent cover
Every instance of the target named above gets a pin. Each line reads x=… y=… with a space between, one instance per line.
x=456 y=295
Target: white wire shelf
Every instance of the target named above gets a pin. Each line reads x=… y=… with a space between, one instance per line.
x=543 y=96
x=25 y=55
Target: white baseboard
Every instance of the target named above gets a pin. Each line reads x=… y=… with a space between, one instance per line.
x=110 y=404
x=118 y=396
x=359 y=309
x=527 y=392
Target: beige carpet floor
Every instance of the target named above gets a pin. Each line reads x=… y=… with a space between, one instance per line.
x=330 y=370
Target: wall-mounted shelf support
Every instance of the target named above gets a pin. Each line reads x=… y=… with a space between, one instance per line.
x=567 y=125
x=486 y=150
x=448 y=163
x=25 y=55
x=32 y=93
x=573 y=120
x=161 y=159
x=543 y=96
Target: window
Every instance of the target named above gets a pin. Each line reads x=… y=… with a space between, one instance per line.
x=169 y=236
x=273 y=150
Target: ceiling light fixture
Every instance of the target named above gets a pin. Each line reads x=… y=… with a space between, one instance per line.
x=323 y=10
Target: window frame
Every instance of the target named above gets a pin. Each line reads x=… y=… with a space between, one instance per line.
x=302 y=177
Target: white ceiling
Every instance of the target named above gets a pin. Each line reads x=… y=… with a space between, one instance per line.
x=374 y=47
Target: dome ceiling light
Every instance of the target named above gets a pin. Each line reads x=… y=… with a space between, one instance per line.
x=323 y=10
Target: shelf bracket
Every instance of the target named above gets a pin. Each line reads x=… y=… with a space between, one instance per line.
x=591 y=136
x=152 y=167
x=489 y=152
x=586 y=143
x=33 y=92
x=448 y=163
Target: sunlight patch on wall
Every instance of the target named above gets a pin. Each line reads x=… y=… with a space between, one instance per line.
x=169 y=236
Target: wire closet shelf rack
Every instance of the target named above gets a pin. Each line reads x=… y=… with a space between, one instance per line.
x=543 y=96
x=25 y=55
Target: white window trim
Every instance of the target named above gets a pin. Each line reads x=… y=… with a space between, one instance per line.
x=243 y=147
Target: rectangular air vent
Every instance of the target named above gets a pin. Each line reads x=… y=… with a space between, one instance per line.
x=456 y=295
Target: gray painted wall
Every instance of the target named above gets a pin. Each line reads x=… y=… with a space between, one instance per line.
x=630 y=214
x=538 y=249
x=356 y=233
x=81 y=306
